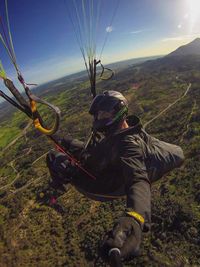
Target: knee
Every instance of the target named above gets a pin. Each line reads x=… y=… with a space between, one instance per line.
x=53 y=161
x=59 y=166
x=54 y=158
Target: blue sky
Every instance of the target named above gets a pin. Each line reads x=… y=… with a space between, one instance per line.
x=45 y=43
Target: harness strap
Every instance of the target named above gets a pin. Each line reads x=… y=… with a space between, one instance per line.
x=26 y=108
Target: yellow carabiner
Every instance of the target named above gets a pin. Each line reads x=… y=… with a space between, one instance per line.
x=37 y=121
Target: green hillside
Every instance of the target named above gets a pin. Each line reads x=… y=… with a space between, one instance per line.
x=34 y=234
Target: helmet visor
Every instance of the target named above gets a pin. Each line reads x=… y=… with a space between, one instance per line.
x=104 y=115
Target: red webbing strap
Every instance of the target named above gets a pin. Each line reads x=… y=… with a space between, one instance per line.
x=73 y=160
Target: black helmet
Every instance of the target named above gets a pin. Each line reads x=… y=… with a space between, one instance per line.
x=108 y=109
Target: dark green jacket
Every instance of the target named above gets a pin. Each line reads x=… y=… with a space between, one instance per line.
x=126 y=163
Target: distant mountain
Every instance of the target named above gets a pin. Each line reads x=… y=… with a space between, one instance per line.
x=130 y=62
x=186 y=57
x=192 y=48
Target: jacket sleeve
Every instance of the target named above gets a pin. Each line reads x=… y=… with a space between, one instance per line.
x=137 y=185
x=74 y=146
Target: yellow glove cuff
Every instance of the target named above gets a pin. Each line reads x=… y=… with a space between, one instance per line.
x=136 y=215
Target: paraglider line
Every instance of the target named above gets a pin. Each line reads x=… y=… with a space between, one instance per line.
x=111 y=22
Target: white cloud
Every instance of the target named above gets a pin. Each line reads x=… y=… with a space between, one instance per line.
x=179 y=26
x=137 y=31
x=109 y=29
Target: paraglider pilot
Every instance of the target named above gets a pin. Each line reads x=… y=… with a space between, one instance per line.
x=125 y=160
